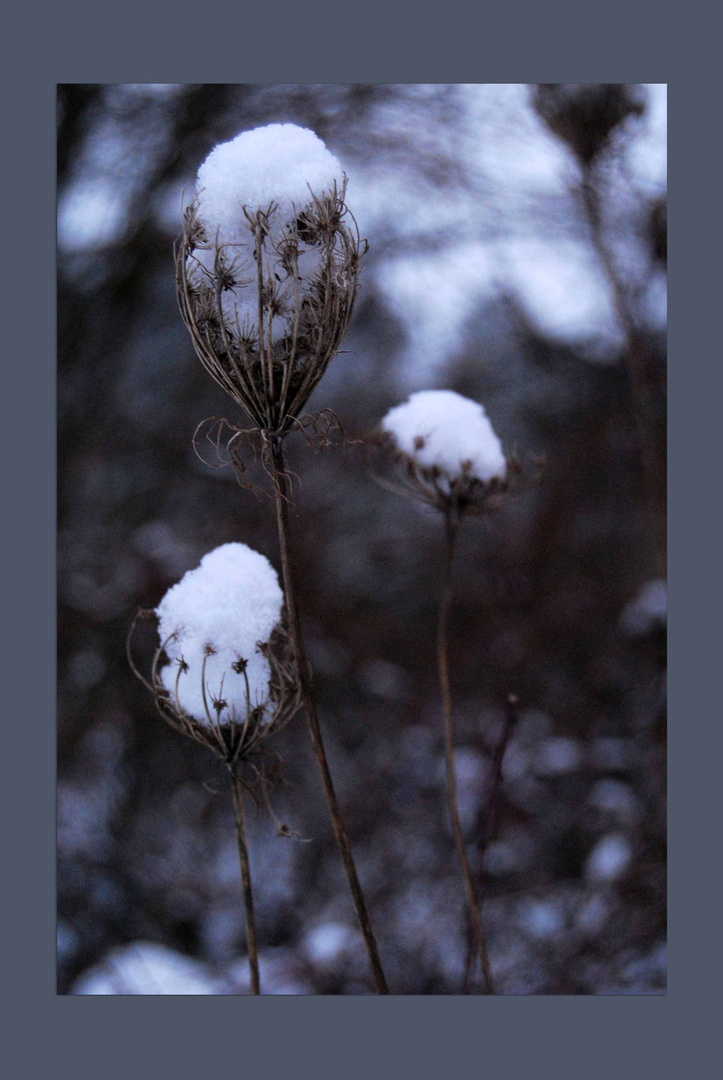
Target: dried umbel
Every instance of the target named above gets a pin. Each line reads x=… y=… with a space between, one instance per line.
x=267 y=270
x=223 y=673
x=584 y=115
x=447 y=452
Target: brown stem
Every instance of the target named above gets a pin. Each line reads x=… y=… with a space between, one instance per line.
x=243 y=854
x=488 y=821
x=451 y=526
x=282 y=497
x=651 y=433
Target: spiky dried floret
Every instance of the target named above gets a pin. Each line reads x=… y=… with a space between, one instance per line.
x=447 y=451
x=267 y=313
x=223 y=672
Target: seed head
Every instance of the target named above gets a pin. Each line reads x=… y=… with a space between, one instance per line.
x=267 y=269
x=447 y=450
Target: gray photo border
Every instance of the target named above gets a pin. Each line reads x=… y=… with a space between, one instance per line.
x=405 y=1036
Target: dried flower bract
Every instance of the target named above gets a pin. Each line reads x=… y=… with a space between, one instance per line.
x=267 y=309
x=223 y=672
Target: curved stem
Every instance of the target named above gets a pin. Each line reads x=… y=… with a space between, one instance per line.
x=243 y=854
x=451 y=526
x=490 y=814
x=282 y=497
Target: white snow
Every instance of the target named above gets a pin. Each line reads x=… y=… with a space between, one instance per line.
x=145 y=968
x=324 y=944
x=279 y=166
x=541 y=919
x=279 y=163
x=231 y=602
x=609 y=859
x=441 y=429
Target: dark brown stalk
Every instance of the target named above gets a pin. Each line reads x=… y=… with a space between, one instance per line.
x=243 y=854
x=639 y=374
x=282 y=491
x=490 y=813
x=451 y=526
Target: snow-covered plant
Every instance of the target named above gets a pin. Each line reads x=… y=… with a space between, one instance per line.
x=448 y=451
x=451 y=459
x=267 y=269
x=222 y=674
x=267 y=272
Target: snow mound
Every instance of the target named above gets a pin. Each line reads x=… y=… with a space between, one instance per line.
x=440 y=429
x=145 y=968
x=231 y=602
x=279 y=163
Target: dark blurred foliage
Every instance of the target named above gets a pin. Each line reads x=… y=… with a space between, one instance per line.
x=575 y=875
x=584 y=115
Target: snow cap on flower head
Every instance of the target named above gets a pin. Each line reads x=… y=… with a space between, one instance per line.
x=267 y=269
x=228 y=604
x=279 y=163
x=441 y=430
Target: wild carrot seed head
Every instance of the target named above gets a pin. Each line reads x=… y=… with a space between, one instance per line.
x=267 y=269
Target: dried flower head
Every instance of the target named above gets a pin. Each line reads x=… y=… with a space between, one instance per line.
x=584 y=115
x=267 y=269
x=222 y=673
x=448 y=453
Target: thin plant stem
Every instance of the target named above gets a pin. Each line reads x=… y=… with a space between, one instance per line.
x=638 y=365
x=490 y=815
x=451 y=526
x=248 y=896
x=282 y=493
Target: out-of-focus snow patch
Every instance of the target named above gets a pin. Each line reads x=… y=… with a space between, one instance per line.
x=648 y=610
x=280 y=974
x=563 y=289
x=145 y=968
x=509 y=143
x=609 y=754
x=517 y=761
x=555 y=757
x=434 y=297
x=66 y=941
x=158 y=542
x=593 y=914
x=648 y=150
x=326 y=943
x=654 y=303
x=473 y=772
x=384 y=679
x=510 y=855
x=615 y=797
x=609 y=859
x=541 y=919
x=86 y=669
x=90 y=215
x=83 y=815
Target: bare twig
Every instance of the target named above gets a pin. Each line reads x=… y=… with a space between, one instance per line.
x=248 y=898
x=451 y=519
x=304 y=675
x=490 y=814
